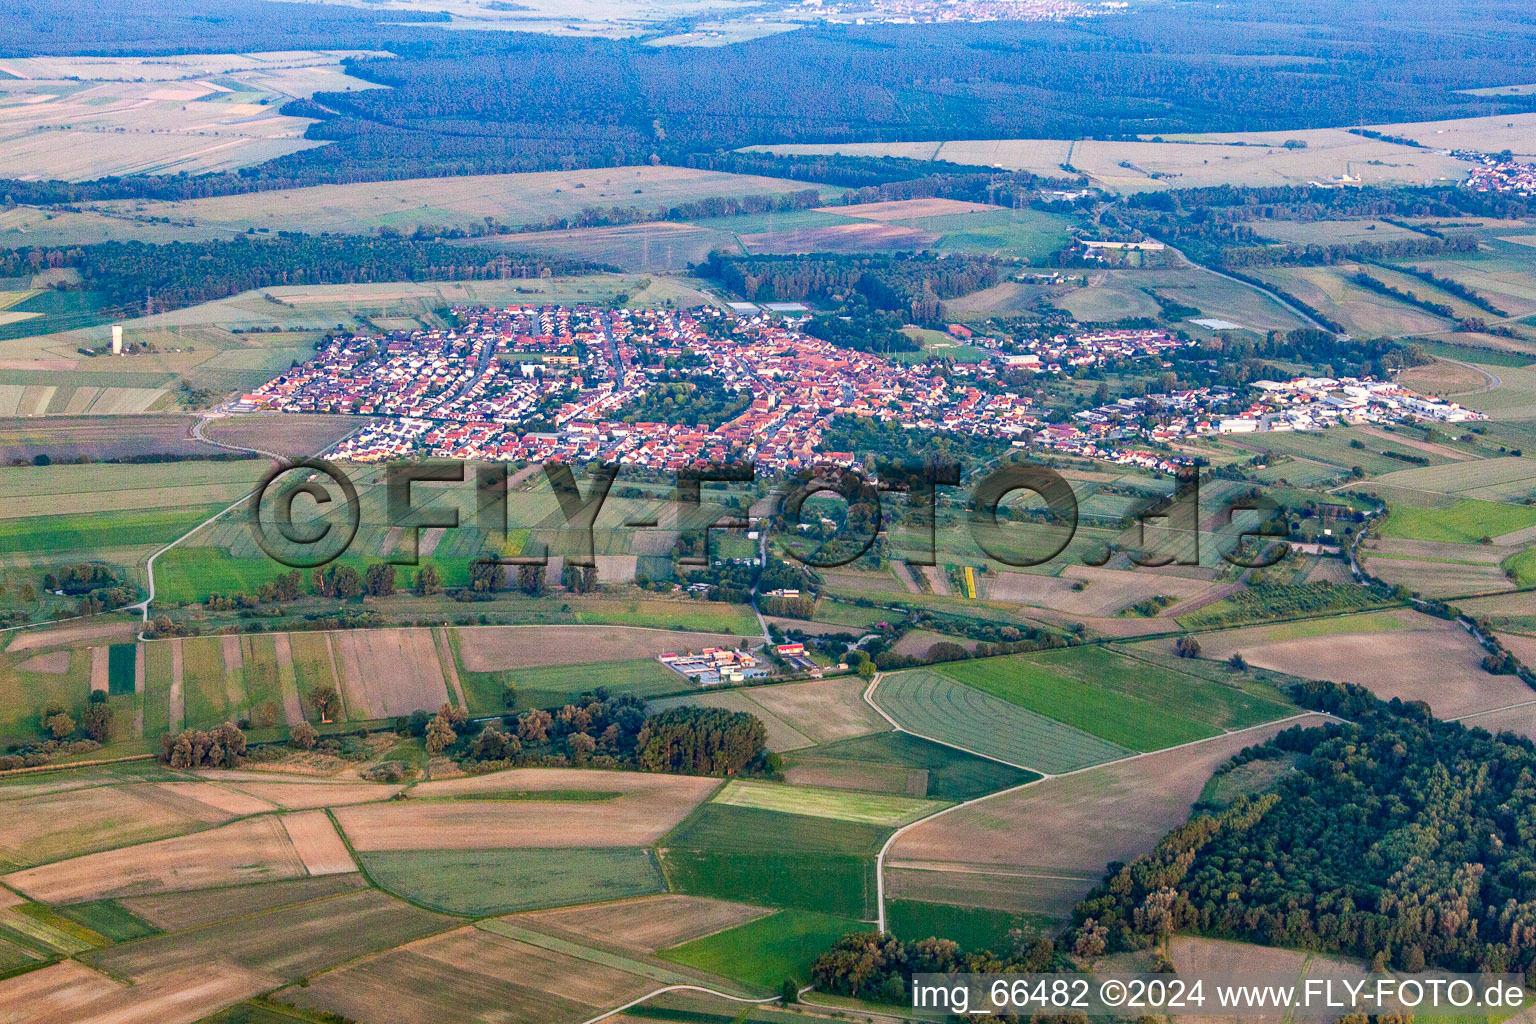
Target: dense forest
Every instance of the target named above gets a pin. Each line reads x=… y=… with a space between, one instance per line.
x=910 y=286
x=135 y=275
x=477 y=102
x=133 y=27
x=1397 y=838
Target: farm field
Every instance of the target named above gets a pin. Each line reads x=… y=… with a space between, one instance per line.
x=291 y=943
x=1426 y=659
x=648 y=805
x=178 y=911
x=164 y=117
x=512 y=199
x=898 y=762
x=1116 y=717
x=645 y=924
x=1466 y=522
x=797 y=715
x=1191 y=162
x=1040 y=848
x=254 y=850
x=936 y=707
x=496 y=648
x=480 y=882
x=471 y=971
x=842 y=805
x=769 y=858
x=765 y=952
x=55 y=826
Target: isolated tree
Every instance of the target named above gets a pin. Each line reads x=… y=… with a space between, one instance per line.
x=303 y=736
x=1187 y=647
x=326 y=701
x=98 y=717
x=28 y=592
x=1237 y=662
x=57 y=721
x=867 y=670
x=509 y=694
x=440 y=735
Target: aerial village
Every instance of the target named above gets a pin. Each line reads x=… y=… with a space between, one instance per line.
x=556 y=383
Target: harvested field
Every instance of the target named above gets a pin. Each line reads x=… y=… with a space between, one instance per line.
x=50 y=826
x=99 y=681
x=493 y=648
x=227 y=801
x=178 y=911
x=1197 y=955
x=1520 y=720
x=290 y=943
x=471 y=973
x=100 y=437
x=481 y=882
x=937 y=708
x=54 y=663
x=291 y=436
x=76 y=633
x=1432 y=661
x=1105 y=591
x=1048 y=843
x=293 y=705
x=647 y=924
x=318 y=845
x=1440 y=579
x=59 y=993
x=906 y=209
x=298 y=796
x=870 y=236
x=649 y=805
x=256 y=850
x=837 y=804
x=389 y=672
x=823 y=710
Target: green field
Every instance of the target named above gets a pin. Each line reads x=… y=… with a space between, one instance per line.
x=1465 y=522
x=82 y=533
x=775 y=859
x=766 y=951
x=264 y=691
x=974 y=928
x=120 y=668
x=839 y=804
x=828 y=882
x=939 y=708
x=1121 y=719
x=1171 y=690
x=23 y=693
x=109 y=919
x=157 y=689
x=483 y=882
x=551 y=686
x=203 y=682
x=952 y=774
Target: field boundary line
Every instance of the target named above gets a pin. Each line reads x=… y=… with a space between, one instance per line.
x=1490 y=711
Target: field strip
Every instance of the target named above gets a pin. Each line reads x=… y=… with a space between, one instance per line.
x=293 y=708
x=587 y=953
x=330 y=650
x=314 y=836
x=450 y=666
x=139 y=673
x=32 y=928
x=234 y=675
x=99 y=669
x=178 y=695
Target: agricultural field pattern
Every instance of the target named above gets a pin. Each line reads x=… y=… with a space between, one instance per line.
x=567 y=512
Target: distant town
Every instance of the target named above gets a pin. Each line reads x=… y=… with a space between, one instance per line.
x=580 y=384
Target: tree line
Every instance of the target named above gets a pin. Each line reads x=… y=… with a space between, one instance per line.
x=135 y=275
